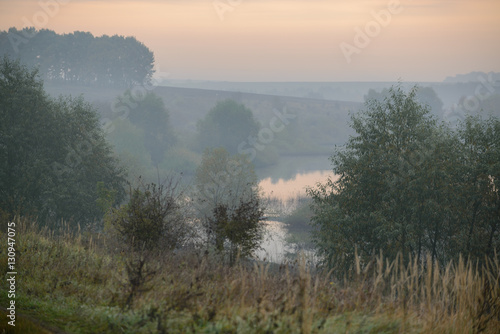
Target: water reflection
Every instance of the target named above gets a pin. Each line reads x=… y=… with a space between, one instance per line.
x=283 y=195
x=295 y=187
x=274 y=246
x=287 y=168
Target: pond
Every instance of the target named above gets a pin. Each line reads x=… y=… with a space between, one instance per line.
x=283 y=194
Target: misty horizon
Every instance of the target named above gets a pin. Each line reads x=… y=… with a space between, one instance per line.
x=288 y=41
x=250 y=166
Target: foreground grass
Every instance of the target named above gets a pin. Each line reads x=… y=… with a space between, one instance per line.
x=78 y=285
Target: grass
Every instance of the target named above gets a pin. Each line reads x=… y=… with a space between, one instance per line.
x=78 y=284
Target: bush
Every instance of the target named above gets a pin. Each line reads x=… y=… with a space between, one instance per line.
x=152 y=219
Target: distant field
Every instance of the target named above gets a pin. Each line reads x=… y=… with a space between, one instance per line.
x=322 y=110
x=323 y=122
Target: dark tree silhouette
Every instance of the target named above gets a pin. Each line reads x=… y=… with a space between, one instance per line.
x=80 y=57
x=53 y=153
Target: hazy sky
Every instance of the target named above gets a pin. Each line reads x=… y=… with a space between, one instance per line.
x=288 y=40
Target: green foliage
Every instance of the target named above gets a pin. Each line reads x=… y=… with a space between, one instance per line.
x=74 y=284
x=53 y=152
x=424 y=95
x=477 y=182
x=150 y=225
x=106 y=197
x=228 y=202
x=148 y=113
x=152 y=219
x=180 y=160
x=227 y=125
x=129 y=139
x=370 y=205
x=240 y=231
x=407 y=185
x=80 y=57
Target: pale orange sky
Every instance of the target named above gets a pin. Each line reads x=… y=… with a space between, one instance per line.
x=287 y=40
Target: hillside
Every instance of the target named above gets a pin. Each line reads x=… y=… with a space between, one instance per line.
x=323 y=122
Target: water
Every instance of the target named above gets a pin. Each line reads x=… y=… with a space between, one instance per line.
x=288 y=167
x=283 y=195
x=286 y=190
x=274 y=245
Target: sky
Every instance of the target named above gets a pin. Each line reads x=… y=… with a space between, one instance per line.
x=287 y=40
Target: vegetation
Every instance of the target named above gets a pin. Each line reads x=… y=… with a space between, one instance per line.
x=298 y=224
x=80 y=57
x=422 y=196
x=409 y=186
x=75 y=283
x=152 y=219
x=426 y=96
x=142 y=121
x=227 y=125
x=228 y=204
x=239 y=231
x=53 y=153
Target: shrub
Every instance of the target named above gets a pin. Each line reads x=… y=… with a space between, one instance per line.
x=152 y=219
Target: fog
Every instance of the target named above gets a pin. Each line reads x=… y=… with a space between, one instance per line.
x=282 y=40
x=174 y=151
x=166 y=124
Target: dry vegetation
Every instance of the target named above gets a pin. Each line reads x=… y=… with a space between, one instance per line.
x=76 y=282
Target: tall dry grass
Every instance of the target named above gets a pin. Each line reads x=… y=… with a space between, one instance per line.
x=78 y=283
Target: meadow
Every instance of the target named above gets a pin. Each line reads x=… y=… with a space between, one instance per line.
x=75 y=282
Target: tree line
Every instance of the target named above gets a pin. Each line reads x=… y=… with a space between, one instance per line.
x=79 y=57
x=409 y=185
x=53 y=152
x=55 y=164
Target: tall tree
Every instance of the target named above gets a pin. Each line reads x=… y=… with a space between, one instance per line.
x=426 y=96
x=53 y=152
x=227 y=125
x=377 y=202
x=406 y=185
x=478 y=183
x=148 y=113
x=80 y=57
